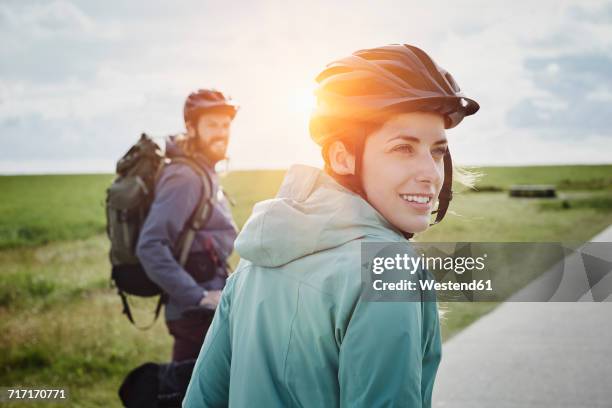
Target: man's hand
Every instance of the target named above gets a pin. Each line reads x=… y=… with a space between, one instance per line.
x=211 y=300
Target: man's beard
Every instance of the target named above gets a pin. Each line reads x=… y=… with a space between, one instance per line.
x=213 y=155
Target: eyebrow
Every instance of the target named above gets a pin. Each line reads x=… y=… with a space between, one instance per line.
x=218 y=122
x=415 y=139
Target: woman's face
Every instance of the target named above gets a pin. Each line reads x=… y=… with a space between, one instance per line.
x=403 y=168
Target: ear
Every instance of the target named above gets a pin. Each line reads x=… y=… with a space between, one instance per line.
x=191 y=130
x=341 y=160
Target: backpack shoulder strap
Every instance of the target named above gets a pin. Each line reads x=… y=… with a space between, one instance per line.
x=128 y=312
x=201 y=214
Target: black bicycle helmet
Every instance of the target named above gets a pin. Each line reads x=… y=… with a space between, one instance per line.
x=371 y=84
x=207 y=100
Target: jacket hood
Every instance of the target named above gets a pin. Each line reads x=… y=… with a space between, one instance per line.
x=311 y=213
x=174 y=150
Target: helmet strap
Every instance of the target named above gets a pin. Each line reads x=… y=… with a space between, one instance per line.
x=444 y=198
x=446 y=193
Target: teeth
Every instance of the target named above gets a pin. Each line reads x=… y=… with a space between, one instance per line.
x=415 y=198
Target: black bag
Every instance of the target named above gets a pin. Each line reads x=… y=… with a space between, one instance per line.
x=154 y=385
x=128 y=201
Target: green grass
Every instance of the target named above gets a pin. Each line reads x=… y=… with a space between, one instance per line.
x=40 y=209
x=567 y=203
x=248 y=187
x=36 y=210
x=576 y=177
x=52 y=274
x=61 y=323
x=495 y=217
x=72 y=335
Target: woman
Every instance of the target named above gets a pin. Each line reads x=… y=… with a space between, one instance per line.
x=291 y=328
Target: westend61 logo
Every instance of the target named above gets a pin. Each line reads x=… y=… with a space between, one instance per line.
x=412 y=264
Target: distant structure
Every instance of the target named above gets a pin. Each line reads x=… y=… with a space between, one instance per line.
x=533 y=191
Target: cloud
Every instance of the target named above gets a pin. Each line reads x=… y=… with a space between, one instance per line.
x=81 y=78
x=575 y=96
x=32 y=137
x=56 y=18
x=600 y=13
x=52 y=42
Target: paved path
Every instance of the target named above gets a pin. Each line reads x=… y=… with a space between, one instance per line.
x=532 y=355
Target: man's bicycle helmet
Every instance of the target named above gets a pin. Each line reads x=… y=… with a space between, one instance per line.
x=372 y=84
x=207 y=100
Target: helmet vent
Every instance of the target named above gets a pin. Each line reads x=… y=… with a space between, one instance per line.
x=451 y=81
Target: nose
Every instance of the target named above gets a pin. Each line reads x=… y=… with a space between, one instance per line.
x=429 y=171
x=219 y=134
x=224 y=132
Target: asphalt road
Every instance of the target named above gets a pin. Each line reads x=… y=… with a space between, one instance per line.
x=556 y=354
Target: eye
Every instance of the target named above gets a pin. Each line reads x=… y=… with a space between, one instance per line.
x=403 y=148
x=439 y=151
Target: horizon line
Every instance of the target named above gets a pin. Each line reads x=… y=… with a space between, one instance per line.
x=51 y=173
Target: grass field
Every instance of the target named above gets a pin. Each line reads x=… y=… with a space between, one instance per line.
x=38 y=209
x=564 y=177
x=61 y=323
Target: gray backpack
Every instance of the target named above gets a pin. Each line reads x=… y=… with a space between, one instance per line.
x=128 y=201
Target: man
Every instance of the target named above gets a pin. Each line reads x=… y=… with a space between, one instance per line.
x=208 y=116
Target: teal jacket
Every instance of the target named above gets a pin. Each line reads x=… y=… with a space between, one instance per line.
x=291 y=329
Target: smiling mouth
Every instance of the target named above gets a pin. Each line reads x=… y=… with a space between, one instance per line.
x=416 y=198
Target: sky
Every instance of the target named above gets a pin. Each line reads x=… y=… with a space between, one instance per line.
x=80 y=80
